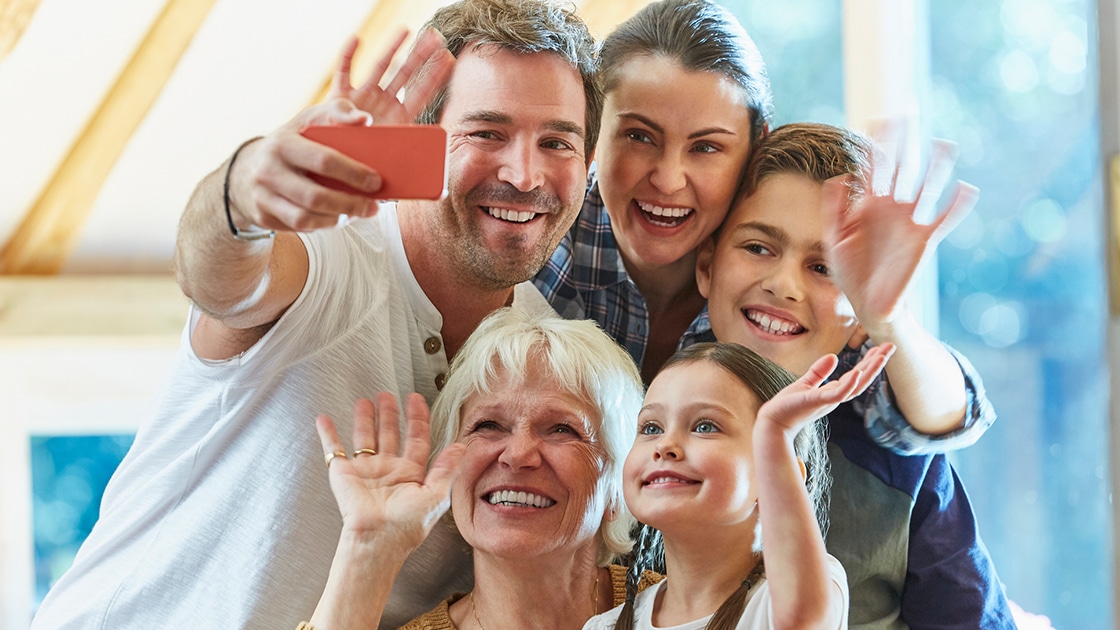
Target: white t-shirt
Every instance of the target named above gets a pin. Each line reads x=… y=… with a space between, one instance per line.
x=220 y=515
x=757 y=614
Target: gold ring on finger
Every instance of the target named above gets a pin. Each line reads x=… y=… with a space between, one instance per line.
x=331 y=456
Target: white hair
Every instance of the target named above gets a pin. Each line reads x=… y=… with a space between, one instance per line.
x=585 y=361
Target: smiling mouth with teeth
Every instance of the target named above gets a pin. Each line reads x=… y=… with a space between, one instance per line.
x=515 y=498
x=666 y=480
x=662 y=216
x=510 y=215
x=773 y=325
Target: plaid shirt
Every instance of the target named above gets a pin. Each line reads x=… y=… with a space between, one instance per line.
x=586 y=279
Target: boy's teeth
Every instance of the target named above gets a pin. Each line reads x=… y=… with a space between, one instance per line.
x=521 y=499
x=510 y=215
x=774 y=326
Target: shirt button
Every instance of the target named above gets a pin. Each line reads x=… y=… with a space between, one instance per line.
x=432 y=345
x=440 y=380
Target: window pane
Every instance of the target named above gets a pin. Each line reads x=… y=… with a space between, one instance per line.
x=1023 y=291
x=801 y=43
x=68 y=477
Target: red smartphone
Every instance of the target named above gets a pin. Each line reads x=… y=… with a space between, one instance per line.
x=411 y=159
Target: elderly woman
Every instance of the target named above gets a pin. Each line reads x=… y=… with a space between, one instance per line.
x=531 y=429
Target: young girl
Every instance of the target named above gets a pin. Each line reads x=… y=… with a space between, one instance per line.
x=719 y=468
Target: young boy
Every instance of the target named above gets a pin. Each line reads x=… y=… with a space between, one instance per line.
x=810 y=262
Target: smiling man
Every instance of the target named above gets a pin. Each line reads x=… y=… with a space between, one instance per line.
x=220 y=516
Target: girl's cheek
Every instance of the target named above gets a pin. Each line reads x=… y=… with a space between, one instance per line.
x=630 y=465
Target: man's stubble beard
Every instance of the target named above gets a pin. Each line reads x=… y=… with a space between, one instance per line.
x=515 y=260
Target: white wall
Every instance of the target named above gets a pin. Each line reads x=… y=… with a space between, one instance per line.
x=62 y=386
x=251 y=66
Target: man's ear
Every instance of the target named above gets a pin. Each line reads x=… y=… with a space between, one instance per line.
x=804 y=470
x=704 y=257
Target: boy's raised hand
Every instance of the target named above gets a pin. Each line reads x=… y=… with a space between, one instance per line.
x=874 y=244
x=806 y=399
x=382 y=489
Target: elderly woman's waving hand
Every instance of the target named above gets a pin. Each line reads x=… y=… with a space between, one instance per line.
x=529 y=434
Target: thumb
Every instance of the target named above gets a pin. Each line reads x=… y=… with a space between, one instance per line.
x=338 y=111
x=350 y=114
x=343 y=111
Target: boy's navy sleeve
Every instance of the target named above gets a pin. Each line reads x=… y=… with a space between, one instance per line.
x=950 y=579
x=889 y=428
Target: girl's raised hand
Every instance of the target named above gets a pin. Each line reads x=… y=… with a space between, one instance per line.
x=385 y=489
x=806 y=399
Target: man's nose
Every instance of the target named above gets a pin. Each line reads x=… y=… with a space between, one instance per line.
x=522 y=167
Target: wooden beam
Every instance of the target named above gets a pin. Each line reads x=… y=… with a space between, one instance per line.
x=43 y=240
x=15 y=15
x=133 y=306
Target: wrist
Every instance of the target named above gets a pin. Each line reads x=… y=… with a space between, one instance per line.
x=380 y=546
x=890 y=329
x=249 y=232
x=770 y=432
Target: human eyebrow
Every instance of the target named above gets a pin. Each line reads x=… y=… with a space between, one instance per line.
x=777 y=234
x=709 y=131
x=499 y=118
x=642 y=119
x=774 y=232
x=488 y=116
x=565 y=126
x=706 y=409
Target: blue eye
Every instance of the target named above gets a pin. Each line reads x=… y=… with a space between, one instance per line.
x=706 y=426
x=649 y=428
